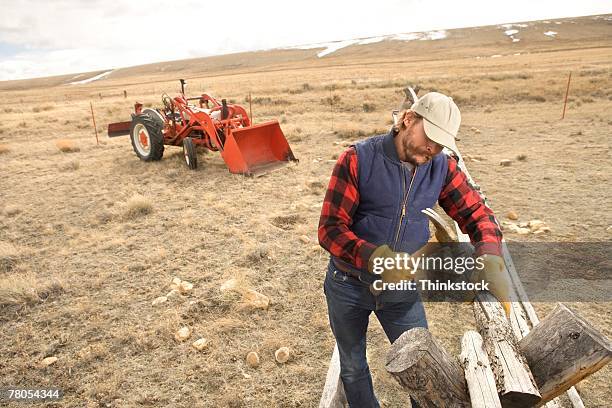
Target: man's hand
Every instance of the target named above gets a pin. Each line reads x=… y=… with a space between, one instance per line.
x=392 y=274
x=494 y=271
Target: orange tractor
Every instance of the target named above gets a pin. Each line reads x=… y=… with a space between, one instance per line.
x=246 y=148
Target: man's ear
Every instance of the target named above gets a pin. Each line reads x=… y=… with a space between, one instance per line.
x=408 y=118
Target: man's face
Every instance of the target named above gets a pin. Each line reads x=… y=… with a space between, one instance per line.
x=413 y=146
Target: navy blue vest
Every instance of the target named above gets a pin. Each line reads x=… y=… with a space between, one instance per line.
x=391 y=198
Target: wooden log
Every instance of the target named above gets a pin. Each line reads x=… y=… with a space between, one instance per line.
x=422 y=366
x=522 y=314
x=533 y=319
x=478 y=372
x=574 y=398
x=562 y=350
x=515 y=383
x=333 y=392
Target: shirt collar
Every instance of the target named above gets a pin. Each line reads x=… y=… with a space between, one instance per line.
x=390 y=150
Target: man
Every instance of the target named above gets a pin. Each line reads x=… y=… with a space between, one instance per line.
x=372 y=209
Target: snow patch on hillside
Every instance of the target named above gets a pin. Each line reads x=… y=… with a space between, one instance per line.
x=406 y=37
x=434 y=35
x=333 y=46
x=509 y=26
x=372 y=40
x=88 y=80
x=511 y=33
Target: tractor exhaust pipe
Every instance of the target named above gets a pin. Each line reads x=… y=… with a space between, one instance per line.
x=183 y=82
x=224 y=109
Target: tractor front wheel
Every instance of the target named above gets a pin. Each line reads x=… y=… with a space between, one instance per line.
x=147 y=138
x=189 y=151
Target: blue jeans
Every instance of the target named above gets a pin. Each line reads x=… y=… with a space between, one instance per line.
x=349 y=304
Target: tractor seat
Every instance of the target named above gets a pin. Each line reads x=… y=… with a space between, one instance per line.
x=214 y=115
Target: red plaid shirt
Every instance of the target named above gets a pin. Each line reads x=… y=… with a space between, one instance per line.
x=460 y=201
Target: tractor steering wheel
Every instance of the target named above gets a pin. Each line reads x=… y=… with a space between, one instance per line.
x=168 y=103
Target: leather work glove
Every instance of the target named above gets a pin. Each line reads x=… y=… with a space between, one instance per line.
x=393 y=274
x=494 y=272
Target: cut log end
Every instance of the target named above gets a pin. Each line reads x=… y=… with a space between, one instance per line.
x=563 y=350
x=407 y=349
x=429 y=374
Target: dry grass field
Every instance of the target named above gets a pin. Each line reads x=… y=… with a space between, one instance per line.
x=90 y=235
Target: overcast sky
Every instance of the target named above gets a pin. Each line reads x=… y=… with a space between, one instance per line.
x=42 y=38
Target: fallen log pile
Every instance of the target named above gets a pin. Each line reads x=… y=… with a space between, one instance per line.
x=495 y=369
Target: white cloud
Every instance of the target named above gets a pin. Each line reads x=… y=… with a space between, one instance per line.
x=68 y=36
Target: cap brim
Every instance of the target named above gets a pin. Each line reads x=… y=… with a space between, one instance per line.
x=439 y=136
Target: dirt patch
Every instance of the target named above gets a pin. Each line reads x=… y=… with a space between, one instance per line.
x=287 y=222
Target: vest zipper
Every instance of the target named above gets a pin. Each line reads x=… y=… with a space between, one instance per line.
x=399 y=226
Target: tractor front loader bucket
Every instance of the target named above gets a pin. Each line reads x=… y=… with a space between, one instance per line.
x=257 y=149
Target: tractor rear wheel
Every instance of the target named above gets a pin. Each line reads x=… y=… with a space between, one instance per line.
x=147 y=138
x=189 y=151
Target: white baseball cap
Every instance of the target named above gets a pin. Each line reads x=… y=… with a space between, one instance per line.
x=441 y=118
